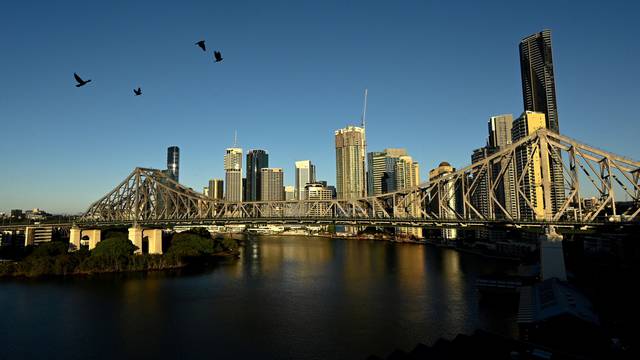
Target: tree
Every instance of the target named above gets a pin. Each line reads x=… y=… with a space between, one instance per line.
x=114 y=247
x=187 y=244
x=53 y=248
x=111 y=254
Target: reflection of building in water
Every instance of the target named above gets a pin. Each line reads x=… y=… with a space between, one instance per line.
x=410 y=261
x=298 y=256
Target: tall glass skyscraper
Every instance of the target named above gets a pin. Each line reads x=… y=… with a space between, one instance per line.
x=538 y=84
x=173 y=162
x=256 y=161
x=539 y=95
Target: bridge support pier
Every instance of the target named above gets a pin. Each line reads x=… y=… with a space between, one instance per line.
x=74 y=238
x=76 y=234
x=29 y=233
x=136 y=234
x=94 y=237
x=552 y=255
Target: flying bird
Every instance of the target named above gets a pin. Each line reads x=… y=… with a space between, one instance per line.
x=217 y=55
x=79 y=80
x=137 y=92
x=201 y=44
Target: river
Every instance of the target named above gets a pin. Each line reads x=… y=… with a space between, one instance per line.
x=287 y=297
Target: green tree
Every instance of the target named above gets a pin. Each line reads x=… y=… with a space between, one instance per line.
x=189 y=245
x=112 y=254
x=49 y=249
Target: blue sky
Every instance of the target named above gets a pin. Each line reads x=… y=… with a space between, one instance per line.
x=294 y=71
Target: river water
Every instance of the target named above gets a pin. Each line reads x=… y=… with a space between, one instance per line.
x=286 y=297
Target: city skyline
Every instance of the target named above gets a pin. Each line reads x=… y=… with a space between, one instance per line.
x=399 y=97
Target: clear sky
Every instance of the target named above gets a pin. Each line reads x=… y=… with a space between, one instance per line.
x=293 y=72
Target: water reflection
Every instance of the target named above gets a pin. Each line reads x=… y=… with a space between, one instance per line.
x=286 y=297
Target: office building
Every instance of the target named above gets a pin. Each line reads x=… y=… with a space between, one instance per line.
x=305 y=173
x=256 y=161
x=272 y=184
x=289 y=192
x=173 y=163
x=350 y=162
x=480 y=195
x=480 y=198
x=233 y=174
x=407 y=175
x=381 y=170
x=216 y=189
x=316 y=191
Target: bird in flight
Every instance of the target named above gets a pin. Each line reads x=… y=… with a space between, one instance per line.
x=201 y=44
x=137 y=92
x=217 y=55
x=80 y=81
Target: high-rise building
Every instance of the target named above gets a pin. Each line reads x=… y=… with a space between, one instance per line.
x=480 y=195
x=216 y=189
x=233 y=174
x=538 y=84
x=407 y=175
x=256 y=161
x=289 y=192
x=528 y=166
x=449 y=197
x=318 y=192
x=173 y=163
x=480 y=198
x=272 y=184
x=539 y=95
x=500 y=136
x=500 y=130
x=305 y=173
x=350 y=162
x=381 y=170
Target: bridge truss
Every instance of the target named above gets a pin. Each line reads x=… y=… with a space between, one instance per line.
x=542 y=178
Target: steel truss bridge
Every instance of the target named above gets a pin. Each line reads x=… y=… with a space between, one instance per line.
x=598 y=189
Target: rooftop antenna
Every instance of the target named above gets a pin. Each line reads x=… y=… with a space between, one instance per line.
x=364 y=110
x=235 y=138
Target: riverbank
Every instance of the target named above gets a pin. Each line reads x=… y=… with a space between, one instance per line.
x=116 y=254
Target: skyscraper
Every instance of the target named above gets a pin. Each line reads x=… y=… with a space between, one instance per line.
x=538 y=84
x=407 y=175
x=350 y=162
x=539 y=94
x=272 y=184
x=528 y=166
x=216 y=189
x=500 y=136
x=480 y=195
x=256 y=161
x=233 y=174
x=305 y=173
x=381 y=170
x=173 y=163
